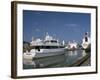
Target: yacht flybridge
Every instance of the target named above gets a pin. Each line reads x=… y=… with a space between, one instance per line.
x=49 y=46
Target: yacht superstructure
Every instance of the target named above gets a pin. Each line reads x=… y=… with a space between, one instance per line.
x=49 y=46
x=86 y=42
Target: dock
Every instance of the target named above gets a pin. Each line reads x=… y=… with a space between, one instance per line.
x=85 y=61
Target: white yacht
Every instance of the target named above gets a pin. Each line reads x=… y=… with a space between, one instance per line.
x=86 y=44
x=45 y=48
x=71 y=45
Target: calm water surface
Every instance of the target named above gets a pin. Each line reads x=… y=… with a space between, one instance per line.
x=64 y=60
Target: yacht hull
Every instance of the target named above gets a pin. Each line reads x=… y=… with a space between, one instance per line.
x=44 y=53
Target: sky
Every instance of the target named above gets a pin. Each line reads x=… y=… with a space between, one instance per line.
x=67 y=26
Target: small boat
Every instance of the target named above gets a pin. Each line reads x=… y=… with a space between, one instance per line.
x=45 y=48
x=72 y=46
x=86 y=44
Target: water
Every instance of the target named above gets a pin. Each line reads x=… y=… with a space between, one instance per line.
x=69 y=59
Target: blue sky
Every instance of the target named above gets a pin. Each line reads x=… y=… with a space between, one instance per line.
x=61 y=25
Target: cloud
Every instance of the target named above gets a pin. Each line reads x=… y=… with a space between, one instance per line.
x=39 y=13
x=37 y=30
x=72 y=25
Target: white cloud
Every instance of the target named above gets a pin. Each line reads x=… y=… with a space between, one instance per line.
x=72 y=25
x=38 y=30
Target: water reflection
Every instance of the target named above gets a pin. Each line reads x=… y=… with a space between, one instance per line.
x=84 y=53
x=56 y=61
